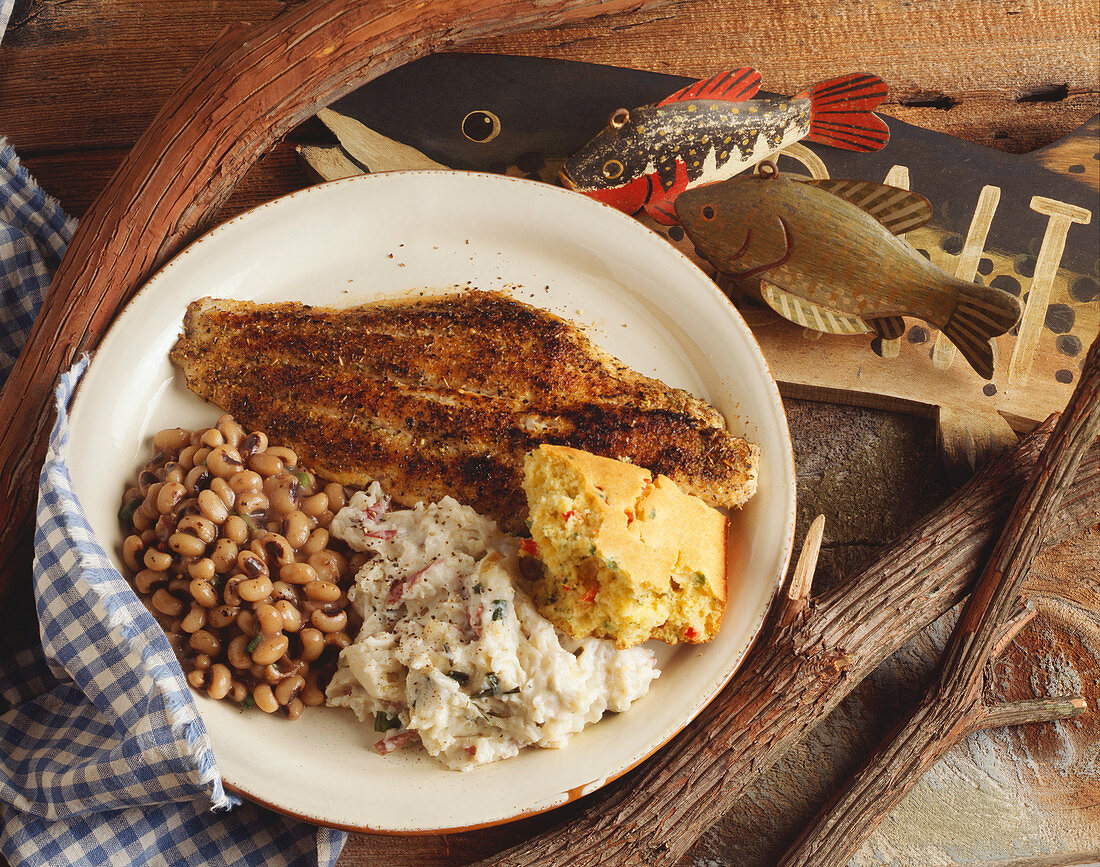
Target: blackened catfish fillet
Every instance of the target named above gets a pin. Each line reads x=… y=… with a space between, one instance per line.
x=445 y=394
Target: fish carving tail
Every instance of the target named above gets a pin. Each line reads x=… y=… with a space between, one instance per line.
x=841 y=113
x=981 y=314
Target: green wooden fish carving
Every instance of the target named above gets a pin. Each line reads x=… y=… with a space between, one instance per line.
x=834 y=243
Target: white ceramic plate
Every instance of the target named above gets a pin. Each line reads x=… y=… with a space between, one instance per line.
x=386 y=235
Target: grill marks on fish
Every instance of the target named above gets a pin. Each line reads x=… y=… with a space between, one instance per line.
x=445 y=395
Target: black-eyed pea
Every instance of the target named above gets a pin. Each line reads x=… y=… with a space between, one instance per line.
x=202 y=570
x=229 y=592
x=282 y=591
x=291 y=616
x=167 y=604
x=205 y=641
x=236 y=530
x=294 y=708
x=149 y=537
x=255 y=589
x=231 y=431
x=212 y=507
x=313 y=643
x=201 y=454
x=223 y=461
x=256 y=671
x=322 y=591
x=223 y=615
x=211 y=438
x=194 y=620
x=325 y=564
x=246 y=622
x=246 y=482
x=311 y=694
x=270 y=649
x=238 y=692
x=339 y=640
x=265 y=464
x=158 y=561
x=288 y=689
x=197 y=479
x=317 y=542
x=148 y=506
x=179 y=587
x=224 y=555
x=198 y=526
x=337 y=499
x=174 y=473
x=269 y=618
x=315 y=505
x=220 y=681
x=329 y=622
x=169 y=494
x=277 y=549
x=265 y=698
x=197 y=678
x=202 y=660
x=254 y=442
x=171 y=439
x=237 y=653
x=297 y=528
x=252 y=503
x=147 y=579
x=251 y=565
x=298 y=573
x=186 y=545
x=325 y=518
x=288 y=456
x=225 y=493
x=141 y=521
x=132 y=549
x=187 y=457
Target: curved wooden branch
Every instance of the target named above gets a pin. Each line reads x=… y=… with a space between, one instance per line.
x=796 y=675
x=251 y=88
x=953 y=706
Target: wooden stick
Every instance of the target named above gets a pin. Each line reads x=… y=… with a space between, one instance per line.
x=251 y=88
x=796 y=675
x=954 y=705
x=798 y=593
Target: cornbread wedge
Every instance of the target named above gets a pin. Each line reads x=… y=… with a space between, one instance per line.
x=626 y=556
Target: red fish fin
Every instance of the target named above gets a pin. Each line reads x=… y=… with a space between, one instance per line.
x=841 y=113
x=662 y=212
x=661 y=204
x=737 y=85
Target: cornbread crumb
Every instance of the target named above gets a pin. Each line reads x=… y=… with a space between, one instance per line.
x=626 y=556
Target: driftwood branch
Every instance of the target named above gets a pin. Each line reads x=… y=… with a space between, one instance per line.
x=795 y=675
x=798 y=591
x=954 y=705
x=251 y=88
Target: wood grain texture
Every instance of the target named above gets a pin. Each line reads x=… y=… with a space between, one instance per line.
x=955 y=705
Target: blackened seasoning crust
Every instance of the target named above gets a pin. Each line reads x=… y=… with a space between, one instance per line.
x=445 y=395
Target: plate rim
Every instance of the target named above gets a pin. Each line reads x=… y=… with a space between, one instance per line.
x=787 y=456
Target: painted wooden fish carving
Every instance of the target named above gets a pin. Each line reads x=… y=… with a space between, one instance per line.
x=834 y=243
x=713 y=129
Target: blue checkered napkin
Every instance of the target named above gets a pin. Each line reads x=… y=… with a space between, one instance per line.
x=103 y=755
x=104 y=759
x=34 y=232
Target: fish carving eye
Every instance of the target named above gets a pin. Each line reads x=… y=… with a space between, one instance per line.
x=481 y=126
x=708 y=212
x=612 y=169
x=619 y=118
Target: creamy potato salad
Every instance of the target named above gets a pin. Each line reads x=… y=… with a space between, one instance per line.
x=452 y=653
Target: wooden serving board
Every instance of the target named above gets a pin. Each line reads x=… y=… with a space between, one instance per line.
x=1022 y=223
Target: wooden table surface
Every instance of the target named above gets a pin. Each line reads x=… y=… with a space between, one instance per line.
x=80 y=79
